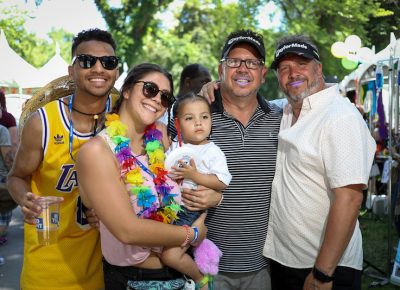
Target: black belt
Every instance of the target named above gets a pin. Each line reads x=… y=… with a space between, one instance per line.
x=141 y=274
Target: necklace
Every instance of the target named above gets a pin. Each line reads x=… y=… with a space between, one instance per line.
x=71 y=124
x=160 y=206
x=95 y=116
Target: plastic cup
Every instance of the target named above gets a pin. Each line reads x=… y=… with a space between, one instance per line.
x=47 y=223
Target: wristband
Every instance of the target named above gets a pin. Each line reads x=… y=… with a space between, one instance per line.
x=186 y=241
x=196 y=235
x=321 y=276
x=220 y=201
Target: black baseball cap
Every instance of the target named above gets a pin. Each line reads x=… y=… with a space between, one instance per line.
x=230 y=43
x=295 y=47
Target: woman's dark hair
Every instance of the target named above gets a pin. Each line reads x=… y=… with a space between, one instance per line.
x=3 y=101
x=190 y=97
x=191 y=71
x=135 y=74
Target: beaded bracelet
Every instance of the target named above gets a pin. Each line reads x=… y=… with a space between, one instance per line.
x=186 y=242
x=196 y=235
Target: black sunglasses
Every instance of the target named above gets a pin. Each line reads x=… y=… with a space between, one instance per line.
x=150 y=90
x=88 y=61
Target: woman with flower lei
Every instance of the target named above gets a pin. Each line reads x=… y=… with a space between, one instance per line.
x=122 y=177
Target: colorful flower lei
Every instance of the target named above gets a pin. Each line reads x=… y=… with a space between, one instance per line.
x=162 y=207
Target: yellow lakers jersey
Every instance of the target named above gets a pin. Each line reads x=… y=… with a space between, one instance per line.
x=74 y=262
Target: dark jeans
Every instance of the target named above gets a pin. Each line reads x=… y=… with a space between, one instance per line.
x=187 y=217
x=285 y=278
x=117 y=277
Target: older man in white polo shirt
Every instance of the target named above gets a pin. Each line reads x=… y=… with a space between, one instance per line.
x=325 y=153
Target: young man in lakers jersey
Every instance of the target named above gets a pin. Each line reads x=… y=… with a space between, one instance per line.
x=45 y=165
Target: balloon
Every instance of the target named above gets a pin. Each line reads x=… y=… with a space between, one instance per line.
x=338 y=49
x=353 y=42
x=352 y=55
x=365 y=54
x=348 y=64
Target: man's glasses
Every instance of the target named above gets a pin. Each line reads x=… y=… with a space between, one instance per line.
x=237 y=62
x=150 y=90
x=88 y=61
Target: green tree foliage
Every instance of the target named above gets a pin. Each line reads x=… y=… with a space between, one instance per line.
x=23 y=43
x=198 y=38
x=34 y=50
x=203 y=25
x=385 y=20
x=130 y=23
x=64 y=40
x=206 y=24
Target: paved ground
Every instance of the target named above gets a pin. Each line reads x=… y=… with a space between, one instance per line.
x=13 y=253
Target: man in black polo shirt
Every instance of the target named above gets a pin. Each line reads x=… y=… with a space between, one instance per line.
x=246 y=128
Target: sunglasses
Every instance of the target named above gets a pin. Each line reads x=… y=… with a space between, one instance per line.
x=87 y=61
x=150 y=90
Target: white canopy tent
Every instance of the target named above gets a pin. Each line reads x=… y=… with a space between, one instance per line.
x=56 y=67
x=15 y=71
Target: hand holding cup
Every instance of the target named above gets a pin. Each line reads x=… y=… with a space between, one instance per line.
x=48 y=221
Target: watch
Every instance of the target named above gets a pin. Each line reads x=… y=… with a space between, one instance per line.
x=321 y=276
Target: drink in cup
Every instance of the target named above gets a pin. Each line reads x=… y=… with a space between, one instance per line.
x=47 y=222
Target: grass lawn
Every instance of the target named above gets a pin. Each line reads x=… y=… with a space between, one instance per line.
x=375 y=245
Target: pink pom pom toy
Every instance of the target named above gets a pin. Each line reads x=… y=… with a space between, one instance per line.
x=207 y=256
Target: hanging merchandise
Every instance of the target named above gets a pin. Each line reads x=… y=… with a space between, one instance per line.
x=371 y=87
x=368 y=99
x=379 y=78
x=383 y=132
x=381 y=73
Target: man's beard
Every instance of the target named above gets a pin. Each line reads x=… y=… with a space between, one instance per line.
x=311 y=89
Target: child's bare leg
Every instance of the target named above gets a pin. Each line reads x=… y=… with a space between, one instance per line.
x=178 y=259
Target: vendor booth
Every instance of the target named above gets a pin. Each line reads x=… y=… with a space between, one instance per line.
x=374 y=86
